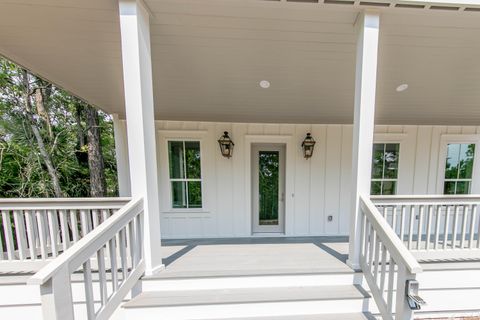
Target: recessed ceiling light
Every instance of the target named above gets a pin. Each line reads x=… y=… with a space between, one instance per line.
x=402 y=87
x=265 y=84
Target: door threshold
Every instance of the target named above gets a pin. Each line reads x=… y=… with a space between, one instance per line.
x=268 y=234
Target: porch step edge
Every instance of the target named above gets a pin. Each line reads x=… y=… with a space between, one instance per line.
x=245 y=296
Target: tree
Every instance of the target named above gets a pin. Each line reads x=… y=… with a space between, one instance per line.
x=51 y=143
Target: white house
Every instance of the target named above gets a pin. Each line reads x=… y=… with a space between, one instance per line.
x=259 y=144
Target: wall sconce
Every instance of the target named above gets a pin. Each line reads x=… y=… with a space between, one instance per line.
x=226 y=145
x=307 y=146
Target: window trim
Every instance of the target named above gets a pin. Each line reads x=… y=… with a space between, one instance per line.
x=165 y=135
x=445 y=140
x=186 y=180
x=381 y=180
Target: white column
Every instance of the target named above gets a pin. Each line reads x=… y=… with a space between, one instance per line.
x=365 y=83
x=121 y=155
x=137 y=75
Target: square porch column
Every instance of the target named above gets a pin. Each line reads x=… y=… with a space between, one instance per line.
x=121 y=156
x=137 y=79
x=367 y=25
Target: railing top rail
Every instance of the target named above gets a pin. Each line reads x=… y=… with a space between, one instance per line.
x=426 y=199
x=62 y=203
x=389 y=238
x=90 y=243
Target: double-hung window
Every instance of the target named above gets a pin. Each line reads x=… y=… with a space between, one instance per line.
x=385 y=168
x=459 y=168
x=185 y=174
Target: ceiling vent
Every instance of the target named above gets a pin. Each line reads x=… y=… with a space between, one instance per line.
x=339 y=2
x=444 y=8
x=409 y=6
x=374 y=4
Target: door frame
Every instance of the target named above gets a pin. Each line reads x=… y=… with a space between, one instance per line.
x=290 y=154
x=281 y=149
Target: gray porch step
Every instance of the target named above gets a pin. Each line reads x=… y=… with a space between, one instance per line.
x=309 y=302
x=246 y=295
x=333 y=316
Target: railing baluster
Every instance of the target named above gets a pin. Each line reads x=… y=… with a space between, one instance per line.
x=394 y=218
x=42 y=234
x=64 y=230
x=74 y=222
x=31 y=235
x=87 y=281
x=391 y=280
x=411 y=223
x=52 y=231
x=383 y=269
x=438 y=220
x=123 y=254
x=7 y=231
x=473 y=220
x=376 y=259
x=85 y=221
x=445 y=229
x=455 y=227
x=95 y=218
x=102 y=276
x=20 y=234
x=370 y=249
x=420 y=226
x=429 y=227
x=113 y=263
x=402 y=223
x=464 y=226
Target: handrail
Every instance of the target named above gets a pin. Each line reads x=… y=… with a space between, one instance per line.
x=390 y=239
x=62 y=203
x=89 y=244
x=386 y=263
x=425 y=199
x=114 y=247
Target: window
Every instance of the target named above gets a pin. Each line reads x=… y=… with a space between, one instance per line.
x=384 y=168
x=459 y=168
x=185 y=174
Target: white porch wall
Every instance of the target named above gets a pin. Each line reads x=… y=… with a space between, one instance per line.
x=321 y=184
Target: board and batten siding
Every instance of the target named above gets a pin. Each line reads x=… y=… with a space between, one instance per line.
x=318 y=187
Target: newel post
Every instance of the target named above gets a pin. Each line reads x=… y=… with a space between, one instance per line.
x=402 y=310
x=56 y=297
x=139 y=107
x=367 y=24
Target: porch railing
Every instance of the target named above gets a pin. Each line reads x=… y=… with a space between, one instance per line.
x=113 y=250
x=35 y=230
x=435 y=227
x=386 y=263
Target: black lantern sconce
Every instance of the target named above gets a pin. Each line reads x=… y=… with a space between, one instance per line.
x=226 y=145
x=307 y=146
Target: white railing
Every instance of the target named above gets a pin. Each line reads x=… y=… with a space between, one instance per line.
x=435 y=227
x=113 y=250
x=34 y=230
x=386 y=263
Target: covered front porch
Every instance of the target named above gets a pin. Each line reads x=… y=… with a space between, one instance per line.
x=176 y=75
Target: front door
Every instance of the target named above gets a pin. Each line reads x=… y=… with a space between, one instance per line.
x=268 y=198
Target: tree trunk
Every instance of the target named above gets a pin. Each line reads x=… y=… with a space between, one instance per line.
x=78 y=117
x=52 y=172
x=95 y=156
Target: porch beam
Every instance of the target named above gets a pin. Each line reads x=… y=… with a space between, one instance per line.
x=121 y=155
x=367 y=25
x=137 y=80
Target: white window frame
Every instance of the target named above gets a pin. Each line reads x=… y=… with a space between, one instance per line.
x=398 y=169
x=166 y=135
x=186 y=180
x=447 y=139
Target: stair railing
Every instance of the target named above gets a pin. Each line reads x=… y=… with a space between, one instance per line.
x=388 y=266
x=113 y=251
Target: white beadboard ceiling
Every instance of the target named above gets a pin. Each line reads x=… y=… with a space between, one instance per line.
x=209 y=56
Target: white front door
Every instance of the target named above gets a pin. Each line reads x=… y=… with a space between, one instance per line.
x=268 y=178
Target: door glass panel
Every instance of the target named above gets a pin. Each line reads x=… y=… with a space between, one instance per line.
x=268 y=185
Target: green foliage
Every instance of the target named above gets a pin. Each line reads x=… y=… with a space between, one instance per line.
x=23 y=172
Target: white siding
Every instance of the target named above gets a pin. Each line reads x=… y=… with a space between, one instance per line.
x=321 y=185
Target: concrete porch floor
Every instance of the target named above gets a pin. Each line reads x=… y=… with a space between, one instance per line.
x=254 y=256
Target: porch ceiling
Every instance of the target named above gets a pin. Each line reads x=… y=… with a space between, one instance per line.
x=208 y=57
